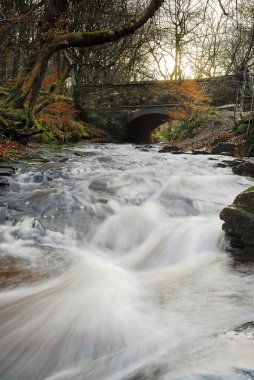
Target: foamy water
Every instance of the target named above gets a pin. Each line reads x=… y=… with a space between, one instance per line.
x=136 y=284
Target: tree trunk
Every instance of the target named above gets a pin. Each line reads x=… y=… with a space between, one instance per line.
x=53 y=36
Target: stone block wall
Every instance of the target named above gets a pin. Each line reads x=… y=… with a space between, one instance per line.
x=111 y=107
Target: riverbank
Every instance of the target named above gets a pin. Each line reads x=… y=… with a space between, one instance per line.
x=216 y=134
x=58 y=121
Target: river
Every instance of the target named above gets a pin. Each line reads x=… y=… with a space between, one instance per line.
x=133 y=282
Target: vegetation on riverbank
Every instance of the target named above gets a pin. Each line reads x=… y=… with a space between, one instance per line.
x=206 y=132
x=59 y=121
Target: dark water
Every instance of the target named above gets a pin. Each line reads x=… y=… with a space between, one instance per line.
x=128 y=276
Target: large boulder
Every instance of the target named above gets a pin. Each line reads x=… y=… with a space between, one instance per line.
x=245 y=168
x=239 y=217
x=223 y=148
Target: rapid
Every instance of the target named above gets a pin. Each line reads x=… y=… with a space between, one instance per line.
x=129 y=279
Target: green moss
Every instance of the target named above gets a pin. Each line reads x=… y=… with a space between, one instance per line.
x=94 y=33
x=245 y=118
x=84 y=133
x=4 y=92
x=13 y=155
x=15 y=97
x=45 y=134
x=3 y=122
x=14 y=124
x=240 y=129
x=249 y=189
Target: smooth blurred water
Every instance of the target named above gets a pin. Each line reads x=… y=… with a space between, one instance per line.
x=133 y=282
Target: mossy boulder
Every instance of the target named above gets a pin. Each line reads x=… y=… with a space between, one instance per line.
x=14 y=124
x=239 y=217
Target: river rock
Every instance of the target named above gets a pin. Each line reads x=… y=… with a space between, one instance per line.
x=16 y=271
x=229 y=163
x=6 y=172
x=4 y=182
x=232 y=163
x=220 y=165
x=239 y=217
x=170 y=149
x=245 y=168
x=223 y=148
x=245 y=331
x=199 y=151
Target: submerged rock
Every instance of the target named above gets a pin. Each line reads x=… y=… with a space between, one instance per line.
x=16 y=271
x=246 y=327
x=245 y=331
x=239 y=217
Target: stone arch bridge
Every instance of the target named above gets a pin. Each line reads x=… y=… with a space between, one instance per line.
x=130 y=112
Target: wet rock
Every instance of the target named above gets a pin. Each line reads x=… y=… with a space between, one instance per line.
x=78 y=154
x=98 y=186
x=232 y=163
x=65 y=159
x=242 y=254
x=83 y=154
x=144 y=148
x=3 y=214
x=248 y=374
x=223 y=148
x=6 y=172
x=239 y=217
x=170 y=149
x=245 y=168
x=220 y=165
x=246 y=327
x=42 y=159
x=178 y=152
x=245 y=331
x=4 y=183
x=227 y=163
x=199 y=151
x=14 y=272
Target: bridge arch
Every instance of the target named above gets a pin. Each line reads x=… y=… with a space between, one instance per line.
x=130 y=112
x=140 y=127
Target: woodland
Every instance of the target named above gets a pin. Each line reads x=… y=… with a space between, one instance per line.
x=48 y=47
x=131 y=257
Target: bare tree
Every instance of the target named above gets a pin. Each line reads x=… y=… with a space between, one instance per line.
x=55 y=34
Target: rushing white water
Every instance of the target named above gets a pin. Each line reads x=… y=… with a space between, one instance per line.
x=135 y=282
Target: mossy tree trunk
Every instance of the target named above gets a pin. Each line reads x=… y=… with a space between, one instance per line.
x=53 y=35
